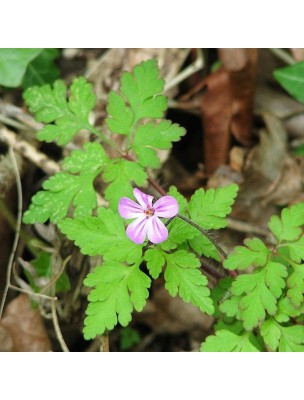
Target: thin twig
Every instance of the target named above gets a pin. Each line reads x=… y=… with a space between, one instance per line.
x=59 y=336
x=18 y=225
x=57 y=327
x=32 y=294
x=283 y=55
x=184 y=74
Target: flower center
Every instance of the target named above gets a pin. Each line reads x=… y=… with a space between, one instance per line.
x=149 y=212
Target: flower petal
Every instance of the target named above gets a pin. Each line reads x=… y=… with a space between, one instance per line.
x=157 y=232
x=143 y=198
x=166 y=207
x=137 y=230
x=127 y=208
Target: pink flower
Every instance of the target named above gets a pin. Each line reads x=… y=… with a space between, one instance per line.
x=147 y=222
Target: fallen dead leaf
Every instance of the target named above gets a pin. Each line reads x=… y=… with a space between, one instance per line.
x=22 y=328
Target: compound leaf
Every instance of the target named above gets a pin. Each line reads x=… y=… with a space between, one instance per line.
x=118 y=290
x=226 y=341
x=259 y=292
x=288 y=227
x=155 y=261
x=102 y=235
x=295 y=284
x=209 y=208
x=151 y=136
x=255 y=254
x=183 y=277
x=50 y=105
x=120 y=173
x=63 y=189
x=286 y=339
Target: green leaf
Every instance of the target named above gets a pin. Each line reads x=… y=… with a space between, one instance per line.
x=151 y=136
x=296 y=249
x=121 y=116
x=42 y=69
x=288 y=226
x=51 y=106
x=209 y=208
x=13 y=64
x=226 y=341
x=143 y=89
x=292 y=79
x=259 y=292
x=287 y=339
x=140 y=97
x=63 y=189
x=287 y=310
x=121 y=173
x=255 y=254
x=295 y=284
x=102 y=235
x=44 y=271
x=155 y=261
x=179 y=232
x=128 y=338
x=183 y=277
x=202 y=246
x=220 y=292
x=118 y=290
x=271 y=334
x=89 y=160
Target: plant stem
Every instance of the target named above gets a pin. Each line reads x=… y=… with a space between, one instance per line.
x=205 y=233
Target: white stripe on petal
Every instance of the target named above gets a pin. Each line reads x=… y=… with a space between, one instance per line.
x=157 y=232
x=127 y=208
x=143 y=198
x=137 y=230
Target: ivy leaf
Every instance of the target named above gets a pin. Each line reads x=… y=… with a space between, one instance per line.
x=183 y=277
x=121 y=173
x=209 y=208
x=151 y=136
x=255 y=254
x=42 y=69
x=118 y=290
x=226 y=341
x=102 y=235
x=288 y=226
x=155 y=261
x=286 y=339
x=295 y=284
x=292 y=79
x=143 y=89
x=63 y=189
x=13 y=64
x=259 y=291
x=67 y=116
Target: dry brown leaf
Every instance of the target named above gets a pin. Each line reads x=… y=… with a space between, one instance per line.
x=298 y=54
x=217 y=113
x=22 y=328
